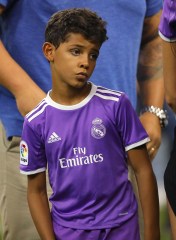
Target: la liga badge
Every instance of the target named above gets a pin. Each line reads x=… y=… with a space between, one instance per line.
x=23 y=153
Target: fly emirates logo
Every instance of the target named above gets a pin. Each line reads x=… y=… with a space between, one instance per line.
x=80 y=157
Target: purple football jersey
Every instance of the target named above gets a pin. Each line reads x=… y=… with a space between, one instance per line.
x=167 y=27
x=84 y=146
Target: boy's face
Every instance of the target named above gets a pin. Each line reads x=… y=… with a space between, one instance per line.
x=73 y=62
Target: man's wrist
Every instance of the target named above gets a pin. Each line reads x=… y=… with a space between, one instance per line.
x=159 y=112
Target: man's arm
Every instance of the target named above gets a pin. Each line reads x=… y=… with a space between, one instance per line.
x=39 y=206
x=169 y=69
x=18 y=82
x=2 y=8
x=148 y=194
x=150 y=80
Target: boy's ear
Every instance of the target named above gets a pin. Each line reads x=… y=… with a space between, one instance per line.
x=48 y=50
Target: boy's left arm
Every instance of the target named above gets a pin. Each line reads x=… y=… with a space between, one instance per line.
x=148 y=194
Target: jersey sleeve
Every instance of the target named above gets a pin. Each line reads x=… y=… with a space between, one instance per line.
x=167 y=27
x=32 y=151
x=131 y=130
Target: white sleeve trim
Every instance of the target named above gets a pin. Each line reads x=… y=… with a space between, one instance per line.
x=167 y=39
x=134 y=145
x=33 y=172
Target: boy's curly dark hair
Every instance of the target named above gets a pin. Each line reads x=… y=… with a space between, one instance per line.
x=75 y=20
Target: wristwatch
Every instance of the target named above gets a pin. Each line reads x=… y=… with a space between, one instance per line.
x=160 y=113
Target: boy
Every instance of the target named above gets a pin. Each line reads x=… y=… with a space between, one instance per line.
x=85 y=134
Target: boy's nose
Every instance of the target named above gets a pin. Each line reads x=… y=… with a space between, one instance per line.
x=84 y=63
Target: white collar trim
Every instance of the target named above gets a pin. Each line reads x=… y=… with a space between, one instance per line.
x=72 y=107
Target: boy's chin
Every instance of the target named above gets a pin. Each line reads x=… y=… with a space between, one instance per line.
x=80 y=84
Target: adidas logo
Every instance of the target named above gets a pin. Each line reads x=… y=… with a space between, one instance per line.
x=54 y=138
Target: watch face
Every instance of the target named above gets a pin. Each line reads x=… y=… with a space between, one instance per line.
x=160 y=113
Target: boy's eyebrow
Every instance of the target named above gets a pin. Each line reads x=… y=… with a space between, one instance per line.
x=82 y=46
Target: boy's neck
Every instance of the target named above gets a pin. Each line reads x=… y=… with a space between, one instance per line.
x=70 y=96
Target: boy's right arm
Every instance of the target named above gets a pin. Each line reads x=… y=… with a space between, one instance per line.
x=39 y=206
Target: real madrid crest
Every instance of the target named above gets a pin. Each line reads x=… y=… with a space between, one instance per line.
x=98 y=130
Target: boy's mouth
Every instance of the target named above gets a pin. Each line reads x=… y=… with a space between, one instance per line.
x=84 y=74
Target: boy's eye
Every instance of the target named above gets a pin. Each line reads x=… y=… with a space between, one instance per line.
x=93 y=56
x=75 y=51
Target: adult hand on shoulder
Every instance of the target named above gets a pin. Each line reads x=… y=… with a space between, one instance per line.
x=152 y=126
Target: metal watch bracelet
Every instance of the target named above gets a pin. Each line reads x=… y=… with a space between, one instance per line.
x=160 y=113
